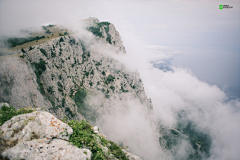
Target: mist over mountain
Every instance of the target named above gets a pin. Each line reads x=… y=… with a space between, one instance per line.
x=84 y=72
x=160 y=84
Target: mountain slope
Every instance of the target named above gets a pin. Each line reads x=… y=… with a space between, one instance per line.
x=66 y=74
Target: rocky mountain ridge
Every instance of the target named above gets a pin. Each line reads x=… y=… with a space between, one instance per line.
x=66 y=74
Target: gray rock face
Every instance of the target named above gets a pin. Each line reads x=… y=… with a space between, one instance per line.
x=38 y=135
x=131 y=156
x=36 y=125
x=38 y=150
x=17 y=84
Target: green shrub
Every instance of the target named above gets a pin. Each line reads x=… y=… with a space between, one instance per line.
x=23 y=50
x=79 y=97
x=70 y=112
x=19 y=41
x=84 y=136
x=53 y=76
x=109 y=38
x=92 y=72
x=103 y=24
x=63 y=102
x=117 y=151
x=22 y=56
x=53 y=54
x=103 y=90
x=98 y=64
x=123 y=90
x=39 y=69
x=72 y=41
x=109 y=79
x=60 y=77
x=43 y=51
x=30 y=48
x=50 y=90
x=45 y=27
x=48 y=32
x=6 y=113
x=96 y=31
x=103 y=73
x=113 y=88
x=51 y=100
x=60 y=87
x=61 y=39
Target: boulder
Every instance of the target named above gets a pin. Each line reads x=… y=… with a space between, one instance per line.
x=38 y=150
x=38 y=135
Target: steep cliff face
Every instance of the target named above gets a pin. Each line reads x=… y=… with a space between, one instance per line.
x=72 y=77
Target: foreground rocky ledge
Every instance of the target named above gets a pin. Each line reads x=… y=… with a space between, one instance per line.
x=40 y=135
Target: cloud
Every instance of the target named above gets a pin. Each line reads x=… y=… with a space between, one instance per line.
x=205 y=105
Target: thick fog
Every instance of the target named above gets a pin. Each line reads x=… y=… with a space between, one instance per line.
x=151 y=32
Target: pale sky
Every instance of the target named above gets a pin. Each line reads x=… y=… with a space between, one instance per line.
x=212 y=35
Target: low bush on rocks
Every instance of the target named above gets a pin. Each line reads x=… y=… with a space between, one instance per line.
x=84 y=137
x=7 y=112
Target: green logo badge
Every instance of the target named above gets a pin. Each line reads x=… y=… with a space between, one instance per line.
x=220 y=6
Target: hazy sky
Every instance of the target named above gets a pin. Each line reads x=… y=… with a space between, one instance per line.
x=210 y=37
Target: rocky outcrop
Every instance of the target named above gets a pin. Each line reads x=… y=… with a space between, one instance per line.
x=37 y=149
x=38 y=135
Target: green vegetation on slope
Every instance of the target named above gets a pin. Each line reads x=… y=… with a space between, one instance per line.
x=172 y=138
x=6 y=113
x=50 y=25
x=196 y=137
x=109 y=79
x=96 y=30
x=87 y=111
x=84 y=136
x=18 y=41
x=39 y=69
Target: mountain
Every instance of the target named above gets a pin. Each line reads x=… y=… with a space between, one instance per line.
x=77 y=74
x=66 y=73
x=70 y=76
